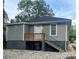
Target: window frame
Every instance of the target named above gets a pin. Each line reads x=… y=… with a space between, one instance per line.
x=50 y=30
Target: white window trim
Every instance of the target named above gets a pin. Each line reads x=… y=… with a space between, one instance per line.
x=50 y=30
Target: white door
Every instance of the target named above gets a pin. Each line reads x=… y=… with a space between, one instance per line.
x=38 y=28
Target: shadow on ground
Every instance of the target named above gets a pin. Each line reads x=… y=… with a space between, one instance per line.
x=71 y=57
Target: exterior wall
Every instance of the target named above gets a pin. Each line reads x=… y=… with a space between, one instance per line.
x=31 y=29
x=61 y=40
x=26 y=29
x=46 y=29
x=38 y=28
x=60 y=44
x=15 y=37
x=61 y=32
x=14 y=32
x=16 y=44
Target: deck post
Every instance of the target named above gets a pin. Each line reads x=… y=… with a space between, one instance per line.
x=24 y=43
x=43 y=43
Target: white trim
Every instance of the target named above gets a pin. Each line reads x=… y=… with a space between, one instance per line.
x=50 y=30
x=23 y=31
x=40 y=22
x=66 y=38
x=66 y=32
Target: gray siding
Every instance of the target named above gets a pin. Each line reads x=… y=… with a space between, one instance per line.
x=38 y=28
x=26 y=29
x=61 y=32
x=14 y=32
x=16 y=44
x=31 y=29
x=46 y=29
x=60 y=44
x=61 y=40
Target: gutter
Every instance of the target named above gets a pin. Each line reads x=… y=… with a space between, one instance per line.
x=41 y=22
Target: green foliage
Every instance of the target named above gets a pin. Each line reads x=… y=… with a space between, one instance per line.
x=33 y=9
x=11 y=21
x=73 y=31
x=72 y=36
x=5 y=16
x=25 y=6
x=40 y=8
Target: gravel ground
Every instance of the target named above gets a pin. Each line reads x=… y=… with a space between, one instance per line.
x=28 y=54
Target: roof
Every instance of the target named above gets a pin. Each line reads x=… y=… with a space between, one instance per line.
x=43 y=20
x=48 y=18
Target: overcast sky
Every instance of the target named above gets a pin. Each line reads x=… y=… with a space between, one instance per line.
x=61 y=8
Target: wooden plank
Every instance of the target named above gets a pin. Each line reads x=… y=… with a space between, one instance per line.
x=34 y=36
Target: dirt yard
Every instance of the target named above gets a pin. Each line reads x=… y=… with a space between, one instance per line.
x=27 y=54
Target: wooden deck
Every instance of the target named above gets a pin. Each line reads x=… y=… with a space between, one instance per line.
x=34 y=36
x=42 y=38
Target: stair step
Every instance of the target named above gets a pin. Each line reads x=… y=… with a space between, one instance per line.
x=54 y=46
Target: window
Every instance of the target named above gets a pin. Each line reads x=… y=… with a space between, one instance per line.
x=53 y=29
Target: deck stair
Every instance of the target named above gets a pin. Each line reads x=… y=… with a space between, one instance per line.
x=53 y=44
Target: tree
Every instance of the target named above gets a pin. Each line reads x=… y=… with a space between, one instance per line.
x=5 y=19
x=34 y=9
x=5 y=15
x=40 y=8
x=25 y=6
x=73 y=30
x=12 y=21
x=72 y=36
x=17 y=18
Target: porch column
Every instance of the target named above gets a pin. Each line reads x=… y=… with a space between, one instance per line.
x=43 y=45
x=24 y=43
x=43 y=42
x=23 y=31
x=66 y=38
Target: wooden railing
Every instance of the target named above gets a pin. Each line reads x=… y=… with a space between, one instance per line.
x=34 y=36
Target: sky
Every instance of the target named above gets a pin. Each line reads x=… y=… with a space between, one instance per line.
x=61 y=8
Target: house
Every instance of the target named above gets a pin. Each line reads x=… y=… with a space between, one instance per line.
x=44 y=33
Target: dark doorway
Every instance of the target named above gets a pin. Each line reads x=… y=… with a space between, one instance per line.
x=33 y=45
x=37 y=45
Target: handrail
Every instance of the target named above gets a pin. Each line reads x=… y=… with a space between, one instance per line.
x=49 y=37
x=34 y=36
